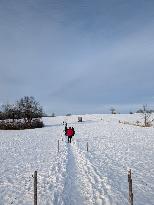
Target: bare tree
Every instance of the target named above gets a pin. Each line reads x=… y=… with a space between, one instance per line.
x=113 y=110
x=147 y=116
x=53 y=115
x=29 y=108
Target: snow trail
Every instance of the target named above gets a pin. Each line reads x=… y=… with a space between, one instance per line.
x=71 y=193
x=60 y=186
x=51 y=184
x=94 y=187
x=74 y=176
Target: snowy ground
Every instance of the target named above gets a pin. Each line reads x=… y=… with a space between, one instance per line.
x=74 y=176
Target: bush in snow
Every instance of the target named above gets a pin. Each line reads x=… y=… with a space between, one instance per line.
x=9 y=112
x=20 y=124
x=26 y=113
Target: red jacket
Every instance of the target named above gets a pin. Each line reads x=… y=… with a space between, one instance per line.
x=69 y=132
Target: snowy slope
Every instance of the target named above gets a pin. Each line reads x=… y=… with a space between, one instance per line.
x=74 y=176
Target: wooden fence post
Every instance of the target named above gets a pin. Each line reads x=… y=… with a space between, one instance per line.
x=130 y=194
x=58 y=145
x=87 y=147
x=35 y=188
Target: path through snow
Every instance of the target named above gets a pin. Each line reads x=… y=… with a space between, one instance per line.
x=74 y=176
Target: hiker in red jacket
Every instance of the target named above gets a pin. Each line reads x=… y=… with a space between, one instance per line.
x=70 y=133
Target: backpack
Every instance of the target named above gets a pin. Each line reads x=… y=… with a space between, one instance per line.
x=70 y=132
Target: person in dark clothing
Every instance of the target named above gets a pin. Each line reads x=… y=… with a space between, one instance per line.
x=70 y=132
x=65 y=128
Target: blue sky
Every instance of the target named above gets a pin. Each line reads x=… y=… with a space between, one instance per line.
x=78 y=56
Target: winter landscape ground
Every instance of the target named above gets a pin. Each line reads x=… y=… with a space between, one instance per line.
x=74 y=176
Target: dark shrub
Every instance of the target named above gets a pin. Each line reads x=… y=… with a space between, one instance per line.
x=25 y=114
x=20 y=124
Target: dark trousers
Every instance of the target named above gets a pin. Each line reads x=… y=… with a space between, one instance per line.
x=69 y=139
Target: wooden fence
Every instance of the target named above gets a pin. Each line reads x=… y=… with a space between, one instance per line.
x=130 y=191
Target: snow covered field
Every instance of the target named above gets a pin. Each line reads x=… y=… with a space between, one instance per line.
x=74 y=176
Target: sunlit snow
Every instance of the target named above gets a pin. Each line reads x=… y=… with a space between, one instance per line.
x=74 y=176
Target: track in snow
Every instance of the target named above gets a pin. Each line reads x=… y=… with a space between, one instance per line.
x=83 y=183
x=71 y=193
x=74 y=180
